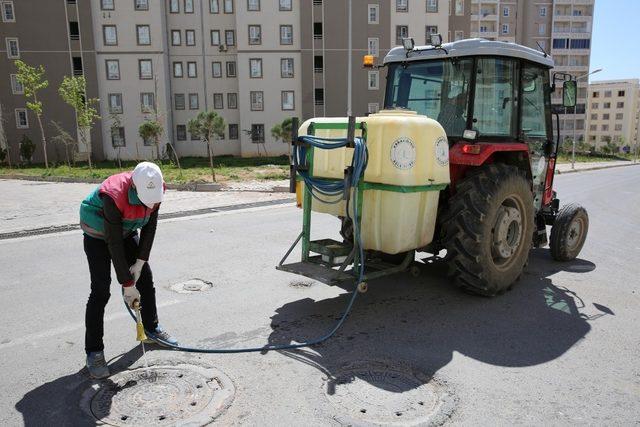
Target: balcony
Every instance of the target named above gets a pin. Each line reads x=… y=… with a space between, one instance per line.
x=574 y=2
x=484 y=34
x=484 y=16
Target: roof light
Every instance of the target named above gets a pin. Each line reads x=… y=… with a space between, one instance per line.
x=408 y=43
x=435 y=40
x=470 y=134
x=367 y=61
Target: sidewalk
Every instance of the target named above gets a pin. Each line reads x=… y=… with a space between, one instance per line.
x=589 y=166
x=31 y=204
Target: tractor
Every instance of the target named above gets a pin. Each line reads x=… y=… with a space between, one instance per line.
x=461 y=159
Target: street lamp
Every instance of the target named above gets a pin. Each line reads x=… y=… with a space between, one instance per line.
x=573 y=142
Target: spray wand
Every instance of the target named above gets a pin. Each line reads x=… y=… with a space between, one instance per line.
x=140 y=334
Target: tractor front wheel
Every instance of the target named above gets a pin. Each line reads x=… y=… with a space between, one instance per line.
x=488 y=229
x=568 y=233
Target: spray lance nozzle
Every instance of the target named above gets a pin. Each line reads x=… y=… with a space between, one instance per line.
x=140 y=335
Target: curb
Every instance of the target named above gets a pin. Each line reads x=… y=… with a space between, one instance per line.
x=193 y=186
x=559 y=172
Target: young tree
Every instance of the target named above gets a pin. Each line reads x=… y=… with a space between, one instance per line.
x=65 y=139
x=282 y=132
x=27 y=147
x=73 y=91
x=151 y=130
x=3 y=138
x=32 y=80
x=208 y=125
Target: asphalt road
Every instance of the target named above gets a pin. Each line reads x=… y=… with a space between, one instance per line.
x=560 y=348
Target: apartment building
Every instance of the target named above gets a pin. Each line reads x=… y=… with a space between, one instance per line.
x=58 y=36
x=613 y=113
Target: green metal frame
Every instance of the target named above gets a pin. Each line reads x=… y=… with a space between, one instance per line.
x=383 y=269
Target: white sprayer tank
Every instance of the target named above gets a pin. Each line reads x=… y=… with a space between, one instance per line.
x=407 y=151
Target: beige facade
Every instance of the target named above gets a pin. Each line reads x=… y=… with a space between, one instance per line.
x=613 y=113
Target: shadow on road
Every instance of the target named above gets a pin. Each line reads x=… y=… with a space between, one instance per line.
x=58 y=402
x=423 y=321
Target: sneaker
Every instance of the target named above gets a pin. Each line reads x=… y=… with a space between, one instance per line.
x=97 y=365
x=162 y=335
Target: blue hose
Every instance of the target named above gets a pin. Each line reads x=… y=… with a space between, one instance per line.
x=326 y=188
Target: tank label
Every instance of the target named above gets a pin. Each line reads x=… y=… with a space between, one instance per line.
x=403 y=153
x=442 y=151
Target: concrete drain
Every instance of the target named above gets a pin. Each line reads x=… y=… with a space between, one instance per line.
x=388 y=393
x=191 y=286
x=166 y=395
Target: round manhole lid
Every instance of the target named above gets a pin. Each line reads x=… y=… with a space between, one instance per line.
x=388 y=393
x=191 y=286
x=160 y=395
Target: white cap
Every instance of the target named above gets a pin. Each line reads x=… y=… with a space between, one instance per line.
x=147 y=178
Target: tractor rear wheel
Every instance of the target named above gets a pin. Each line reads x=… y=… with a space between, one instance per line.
x=488 y=229
x=568 y=233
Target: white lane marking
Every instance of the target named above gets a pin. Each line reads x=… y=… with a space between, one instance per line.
x=72 y=327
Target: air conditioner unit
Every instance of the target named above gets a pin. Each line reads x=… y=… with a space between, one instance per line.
x=222 y=48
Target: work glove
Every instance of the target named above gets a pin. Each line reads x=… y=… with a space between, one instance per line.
x=131 y=295
x=136 y=269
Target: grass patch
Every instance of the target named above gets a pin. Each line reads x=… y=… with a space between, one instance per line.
x=194 y=169
x=586 y=158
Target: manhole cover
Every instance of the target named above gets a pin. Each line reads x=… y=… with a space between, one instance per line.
x=163 y=395
x=388 y=393
x=191 y=285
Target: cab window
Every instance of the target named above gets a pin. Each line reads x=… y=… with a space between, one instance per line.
x=535 y=83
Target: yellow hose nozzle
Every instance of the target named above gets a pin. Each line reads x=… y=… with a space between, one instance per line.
x=140 y=335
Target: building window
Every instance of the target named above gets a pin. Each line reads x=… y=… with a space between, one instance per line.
x=373 y=107
x=232 y=101
x=618 y=127
x=459 y=8
x=542 y=29
x=257 y=100
x=193 y=101
x=286 y=34
x=215 y=37
x=593 y=127
x=115 y=103
x=458 y=35
x=402 y=5
x=145 y=68
x=288 y=100
x=178 y=100
x=542 y=11
x=16 y=86
x=257 y=134
x=285 y=5
x=228 y=6
x=619 y=116
x=192 y=70
x=8 y=14
x=595 y=94
x=233 y=131
x=176 y=37
x=188 y=6
x=317 y=30
x=607 y=105
x=190 y=37
x=218 y=103
x=147 y=102
x=318 y=64
x=230 y=37
x=143 y=34
x=13 y=50
x=74 y=30
x=373 y=14
x=106 y=4
x=620 y=105
x=76 y=63
x=22 y=121
x=255 y=34
x=113 y=69
x=505 y=11
x=620 y=93
x=505 y=28
x=216 y=69
x=580 y=43
x=214 y=6
x=607 y=94
x=605 y=116
x=594 y=116
x=174 y=6
x=594 y=105
x=181 y=132
x=177 y=69
x=110 y=35
x=255 y=68
x=318 y=96
x=231 y=69
x=141 y=4
x=286 y=68
x=117 y=137
x=605 y=127
x=373 y=80
x=430 y=29
x=560 y=44
x=372 y=46
x=432 y=6
x=253 y=5
x=402 y=32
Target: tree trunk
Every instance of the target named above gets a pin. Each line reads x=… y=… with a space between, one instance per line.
x=44 y=142
x=210 y=150
x=66 y=154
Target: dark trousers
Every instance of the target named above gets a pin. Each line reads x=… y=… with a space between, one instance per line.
x=100 y=269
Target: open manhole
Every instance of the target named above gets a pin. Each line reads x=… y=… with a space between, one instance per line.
x=191 y=286
x=384 y=393
x=161 y=395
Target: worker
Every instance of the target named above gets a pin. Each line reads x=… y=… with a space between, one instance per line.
x=110 y=218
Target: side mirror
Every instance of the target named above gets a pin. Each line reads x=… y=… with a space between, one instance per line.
x=569 y=93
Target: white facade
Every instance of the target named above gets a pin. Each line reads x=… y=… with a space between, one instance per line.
x=417 y=18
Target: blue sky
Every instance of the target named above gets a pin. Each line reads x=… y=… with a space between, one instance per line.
x=615 y=44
